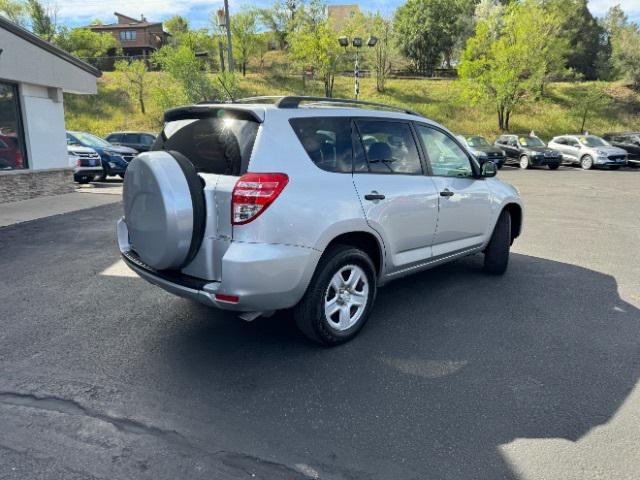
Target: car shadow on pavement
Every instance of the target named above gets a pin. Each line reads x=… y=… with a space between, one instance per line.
x=452 y=365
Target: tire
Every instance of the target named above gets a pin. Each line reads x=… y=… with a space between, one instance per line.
x=311 y=313
x=103 y=177
x=586 y=162
x=496 y=255
x=525 y=164
x=83 y=179
x=553 y=166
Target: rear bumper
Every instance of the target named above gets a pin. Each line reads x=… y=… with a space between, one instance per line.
x=264 y=277
x=79 y=171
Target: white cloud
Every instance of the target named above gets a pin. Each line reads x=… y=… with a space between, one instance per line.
x=600 y=7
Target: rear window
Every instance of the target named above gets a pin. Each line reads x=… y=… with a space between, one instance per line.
x=327 y=141
x=220 y=144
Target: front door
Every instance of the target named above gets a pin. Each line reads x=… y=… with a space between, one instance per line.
x=398 y=200
x=464 y=200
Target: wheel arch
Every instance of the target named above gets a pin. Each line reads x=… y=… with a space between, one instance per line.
x=515 y=211
x=366 y=241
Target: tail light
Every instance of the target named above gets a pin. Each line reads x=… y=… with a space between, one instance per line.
x=253 y=193
x=18 y=159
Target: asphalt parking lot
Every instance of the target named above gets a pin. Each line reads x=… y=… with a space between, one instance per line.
x=457 y=375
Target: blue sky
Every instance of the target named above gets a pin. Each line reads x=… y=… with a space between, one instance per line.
x=80 y=12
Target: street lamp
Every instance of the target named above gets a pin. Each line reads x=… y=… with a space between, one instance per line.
x=356 y=42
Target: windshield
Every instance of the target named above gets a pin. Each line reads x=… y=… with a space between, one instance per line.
x=531 y=142
x=91 y=140
x=478 y=142
x=592 y=141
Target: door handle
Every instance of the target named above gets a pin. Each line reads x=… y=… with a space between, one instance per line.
x=374 y=196
x=446 y=193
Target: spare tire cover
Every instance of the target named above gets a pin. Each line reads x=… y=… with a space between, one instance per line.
x=158 y=210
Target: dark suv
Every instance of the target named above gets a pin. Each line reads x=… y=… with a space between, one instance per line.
x=629 y=141
x=140 y=141
x=528 y=151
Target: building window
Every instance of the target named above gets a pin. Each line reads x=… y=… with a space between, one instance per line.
x=12 y=149
x=128 y=35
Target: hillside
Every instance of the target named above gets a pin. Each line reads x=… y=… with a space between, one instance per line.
x=439 y=100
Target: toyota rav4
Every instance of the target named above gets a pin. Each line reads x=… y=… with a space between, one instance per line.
x=307 y=203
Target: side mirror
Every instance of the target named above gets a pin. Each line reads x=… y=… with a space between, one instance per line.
x=488 y=169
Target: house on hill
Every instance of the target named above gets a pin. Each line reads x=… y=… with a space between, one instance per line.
x=341 y=14
x=136 y=37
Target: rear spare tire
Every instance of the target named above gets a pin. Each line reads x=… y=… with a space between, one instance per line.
x=164 y=209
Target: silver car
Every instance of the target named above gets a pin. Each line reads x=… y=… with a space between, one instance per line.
x=305 y=203
x=85 y=162
x=589 y=151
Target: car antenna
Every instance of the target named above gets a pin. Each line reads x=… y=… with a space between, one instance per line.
x=233 y=100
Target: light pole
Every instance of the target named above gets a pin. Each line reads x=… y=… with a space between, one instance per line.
x=223 y=21
x=357 y=44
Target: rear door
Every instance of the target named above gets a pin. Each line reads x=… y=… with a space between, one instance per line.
x=464 y=199
x=398 y=200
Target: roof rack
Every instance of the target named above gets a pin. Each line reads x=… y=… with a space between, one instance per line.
x=295 y=101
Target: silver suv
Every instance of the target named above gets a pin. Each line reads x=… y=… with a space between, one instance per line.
x=307 y=203
x=589 y=151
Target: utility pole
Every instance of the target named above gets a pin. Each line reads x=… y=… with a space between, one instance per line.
x=228 y=27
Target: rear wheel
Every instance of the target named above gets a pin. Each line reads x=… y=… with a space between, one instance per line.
x=340 y=296
x=586 y=162
x=496 y=255
x=524 y=162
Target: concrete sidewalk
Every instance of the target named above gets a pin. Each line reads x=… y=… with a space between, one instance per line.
x=85 y=197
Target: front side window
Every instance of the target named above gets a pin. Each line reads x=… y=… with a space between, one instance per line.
x=327 y=141
x=12 y=148
x=146 y=140
x=132 y=138
x=89 y=140
x=389 y=147
x=476 y=141
x=446 y=157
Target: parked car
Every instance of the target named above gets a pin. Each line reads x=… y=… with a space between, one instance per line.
x=331 y=221
x=115 y=159
x=86 y=163
x=482 y=149
x=140 y=141
x=589 y=151
x=628 y=141
x=10 y=157
x=528 y=151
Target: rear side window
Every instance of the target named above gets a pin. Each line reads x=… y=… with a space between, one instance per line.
x=327 y=141
x=116 y=137
x=220 y=144
x=132 y=138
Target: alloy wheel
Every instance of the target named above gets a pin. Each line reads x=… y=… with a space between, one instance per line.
x=346 y=297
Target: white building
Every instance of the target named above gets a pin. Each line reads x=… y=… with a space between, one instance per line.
x=33 y=147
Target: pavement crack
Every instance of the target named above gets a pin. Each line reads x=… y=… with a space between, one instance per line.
x=71 y=407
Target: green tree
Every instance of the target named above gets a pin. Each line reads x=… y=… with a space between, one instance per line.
x=585 y=38
x=427 y=30
x=624 y=37
x=43 y=19
x=14 y=10
x=313 y=43
x=189 y=71
x=83 y=43
x=382 y=52
x=503 y=67
x=133 y=79
x=244 y=29
x=279 y=19
x=590 y=98
x=176 y=25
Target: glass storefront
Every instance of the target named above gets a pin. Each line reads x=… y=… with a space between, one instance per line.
x=12 y=155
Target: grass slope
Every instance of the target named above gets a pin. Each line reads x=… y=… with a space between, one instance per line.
x=439 y=100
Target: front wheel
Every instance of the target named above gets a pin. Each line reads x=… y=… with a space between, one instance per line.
x=496 y=255
x=587 y=162
x=524 y=162
x=340 y=296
